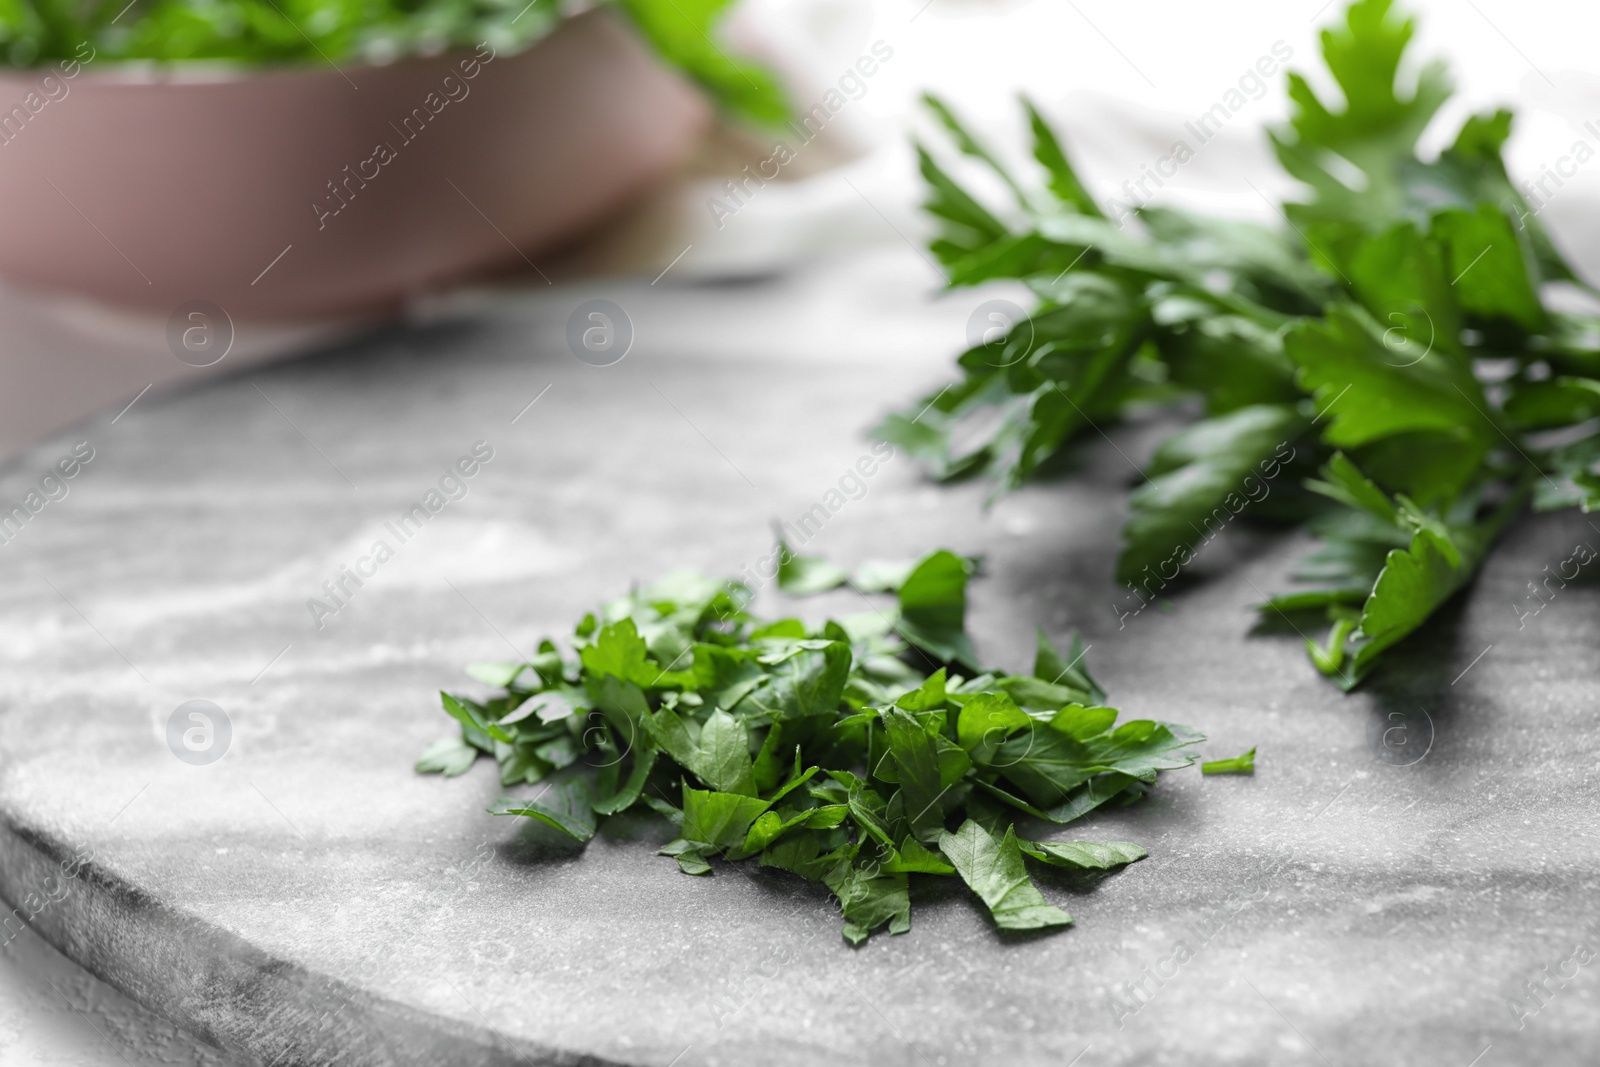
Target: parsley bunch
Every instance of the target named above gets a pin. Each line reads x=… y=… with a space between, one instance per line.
x=855 y=753
x=336 y=31
x=1389 y=356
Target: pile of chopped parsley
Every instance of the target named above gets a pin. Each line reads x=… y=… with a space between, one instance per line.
x=682 y=32
x=856 y=753
x=1386 y=368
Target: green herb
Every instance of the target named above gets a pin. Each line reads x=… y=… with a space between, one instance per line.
x=682 y=32
x=806 y=575
x=993 y=870
x=1245 y=764
x=843 y=753
x=1383 y=370
x=1084 y=855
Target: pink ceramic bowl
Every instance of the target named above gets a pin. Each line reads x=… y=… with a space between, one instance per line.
x=311 y=192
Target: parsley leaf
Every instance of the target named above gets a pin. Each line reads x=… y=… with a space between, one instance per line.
x=1084 y=855
x=567 y=807
x=804 y=575
x=933 y=609
x=993 y=870
x=448 y=756
x=1198 y=480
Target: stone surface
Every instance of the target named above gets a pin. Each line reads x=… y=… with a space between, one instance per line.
x=54 y=1012
x=307 y=899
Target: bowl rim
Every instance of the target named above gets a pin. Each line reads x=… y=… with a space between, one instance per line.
x=148 y=72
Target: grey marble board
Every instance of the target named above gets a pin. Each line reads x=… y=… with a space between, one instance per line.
x=306 y=899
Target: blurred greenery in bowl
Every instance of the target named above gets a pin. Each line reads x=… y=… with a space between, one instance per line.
x=313 y=32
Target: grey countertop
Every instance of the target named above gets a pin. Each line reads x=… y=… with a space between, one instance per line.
x=306 y=899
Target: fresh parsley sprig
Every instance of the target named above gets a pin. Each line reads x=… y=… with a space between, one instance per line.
x=1391 y=347
x=856 y=753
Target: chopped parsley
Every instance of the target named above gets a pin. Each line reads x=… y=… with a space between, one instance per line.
x=1245 y=764
x=858 y=753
